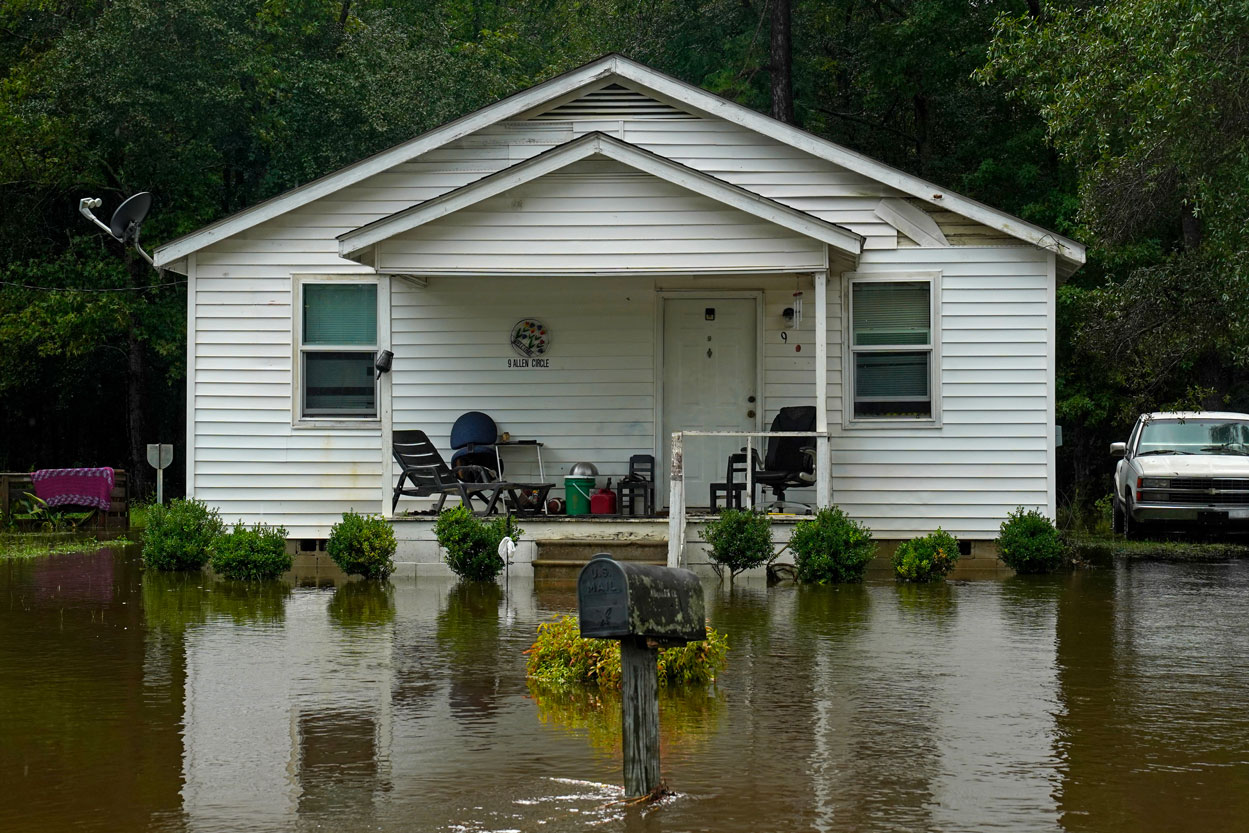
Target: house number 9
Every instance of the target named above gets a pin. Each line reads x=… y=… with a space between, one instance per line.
x=784 y=336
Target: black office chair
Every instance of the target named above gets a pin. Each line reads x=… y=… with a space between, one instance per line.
x=790 y=461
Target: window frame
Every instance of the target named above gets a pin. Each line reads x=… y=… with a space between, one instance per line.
x=299 y=349
x=933 y=348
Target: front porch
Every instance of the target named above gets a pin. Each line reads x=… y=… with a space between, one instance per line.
x=419 y=554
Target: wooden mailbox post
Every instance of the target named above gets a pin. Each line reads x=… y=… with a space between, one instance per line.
x=646 y=607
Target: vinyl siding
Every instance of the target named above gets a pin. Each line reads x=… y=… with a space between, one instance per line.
x=597 y=401
x=597 y=216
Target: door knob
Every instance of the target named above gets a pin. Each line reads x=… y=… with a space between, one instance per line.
x=750 y=399
x=750 y=414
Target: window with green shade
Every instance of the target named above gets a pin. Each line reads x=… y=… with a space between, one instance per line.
x=337 y=349
x=891 y=345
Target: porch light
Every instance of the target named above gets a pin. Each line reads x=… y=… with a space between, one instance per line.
x=383 y=362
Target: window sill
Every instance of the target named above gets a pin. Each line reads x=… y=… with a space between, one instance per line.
x=362 y=424
x=868 y=424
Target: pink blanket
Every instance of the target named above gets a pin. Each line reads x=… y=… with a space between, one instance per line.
x=75 y=487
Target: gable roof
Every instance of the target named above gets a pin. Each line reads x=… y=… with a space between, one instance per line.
x=599 y=72
x=602 y=145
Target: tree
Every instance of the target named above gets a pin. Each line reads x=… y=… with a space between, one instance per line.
x=1149 y=101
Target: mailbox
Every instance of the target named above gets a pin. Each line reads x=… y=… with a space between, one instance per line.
x=617 y=599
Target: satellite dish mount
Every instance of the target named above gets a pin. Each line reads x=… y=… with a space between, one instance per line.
x=126 y=222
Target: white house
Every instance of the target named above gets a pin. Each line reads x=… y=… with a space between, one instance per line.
x=659 y=234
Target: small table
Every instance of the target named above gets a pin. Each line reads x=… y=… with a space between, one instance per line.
x=524 y=508
x=534 y=444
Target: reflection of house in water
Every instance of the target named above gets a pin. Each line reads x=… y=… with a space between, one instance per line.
x=285 y=718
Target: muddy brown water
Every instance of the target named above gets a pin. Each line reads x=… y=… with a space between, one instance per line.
x=1109 y=700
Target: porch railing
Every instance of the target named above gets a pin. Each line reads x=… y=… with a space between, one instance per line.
x=676 y=488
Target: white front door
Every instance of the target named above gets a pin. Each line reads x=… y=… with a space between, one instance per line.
x=710 y=378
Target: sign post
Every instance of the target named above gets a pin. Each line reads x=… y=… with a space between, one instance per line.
x=159 y=456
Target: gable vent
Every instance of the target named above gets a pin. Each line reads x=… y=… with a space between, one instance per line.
x=613 y=102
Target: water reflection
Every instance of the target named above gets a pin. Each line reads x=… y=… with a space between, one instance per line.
x=1104 y=700
x=176 y=601
x=686 y=719
x=468 y=634
x=363 y=604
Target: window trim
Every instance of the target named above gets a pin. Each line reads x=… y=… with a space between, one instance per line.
x=849 y=420
x=298 y=420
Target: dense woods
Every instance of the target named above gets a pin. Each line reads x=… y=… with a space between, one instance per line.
x=1121 y=124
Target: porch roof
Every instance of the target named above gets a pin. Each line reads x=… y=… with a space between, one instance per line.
x=356 y=244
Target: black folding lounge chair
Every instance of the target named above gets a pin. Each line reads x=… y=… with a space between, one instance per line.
x=790 y=461
x=423 y=467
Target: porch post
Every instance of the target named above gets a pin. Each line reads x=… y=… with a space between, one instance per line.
x=676 y=503
x=384 y=398
x=823 y=455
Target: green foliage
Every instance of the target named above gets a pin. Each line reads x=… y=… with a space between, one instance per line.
x=740 y=539
x=560 y=655
x=250 y=554
x=1029 y=542
x=362 y=545
x=180 y=536
x=927 y=558
x=472 y=544
x=832 y=549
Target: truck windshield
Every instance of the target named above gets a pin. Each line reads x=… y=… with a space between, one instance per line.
x=1194 y=436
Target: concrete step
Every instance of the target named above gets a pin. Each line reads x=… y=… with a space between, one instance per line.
x=582 y=550
x=562 y=559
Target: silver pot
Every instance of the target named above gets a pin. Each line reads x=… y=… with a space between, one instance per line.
x=583 y=470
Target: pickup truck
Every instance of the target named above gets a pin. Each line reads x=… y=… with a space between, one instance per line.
x=1187 y=468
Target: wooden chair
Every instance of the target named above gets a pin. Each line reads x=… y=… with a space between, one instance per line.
x=423 y=467
x=640 y=484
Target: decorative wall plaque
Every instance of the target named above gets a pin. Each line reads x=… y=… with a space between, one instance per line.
x=530 y=338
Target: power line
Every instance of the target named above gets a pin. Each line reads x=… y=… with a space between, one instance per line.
x=107 y=289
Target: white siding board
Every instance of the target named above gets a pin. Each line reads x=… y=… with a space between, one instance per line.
x=989 y=453
x=600 y=195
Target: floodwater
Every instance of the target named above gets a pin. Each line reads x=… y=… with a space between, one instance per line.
x=1110 y=700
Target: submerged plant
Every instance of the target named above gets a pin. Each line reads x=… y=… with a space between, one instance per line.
x=362 y=545
x=927 y=558
x=561 y=655
x=831 y=549
x=180 y=536
x=1029 y=542
x=471 y=544
x=249 y=554
x=740 y=539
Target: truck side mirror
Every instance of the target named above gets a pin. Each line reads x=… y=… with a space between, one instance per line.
x=1118 y=449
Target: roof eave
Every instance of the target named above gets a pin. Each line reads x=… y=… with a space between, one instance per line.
x=359 y=240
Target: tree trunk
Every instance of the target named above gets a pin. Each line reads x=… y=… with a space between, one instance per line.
x=782 y=63
x=1190 y=226
x=922 y=146
x=136 y=391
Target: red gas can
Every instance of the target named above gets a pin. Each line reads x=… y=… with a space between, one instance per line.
x=603 y=502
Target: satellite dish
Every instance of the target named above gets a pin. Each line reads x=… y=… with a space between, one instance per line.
x=129 y=216
x=126 y=222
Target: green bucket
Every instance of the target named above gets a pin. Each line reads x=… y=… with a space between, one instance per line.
x=577 y=494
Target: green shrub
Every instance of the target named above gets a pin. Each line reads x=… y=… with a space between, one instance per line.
x=739 y=539
x=927 y=558
x=560 y=655
x=1029 y=542
x=472 y=544
x=362 y=545
x=251 y=554
x=831 y=549
x=179 y=536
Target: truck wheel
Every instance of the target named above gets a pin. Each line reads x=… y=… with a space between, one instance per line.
x=1131 y=528
x=1116 y=516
